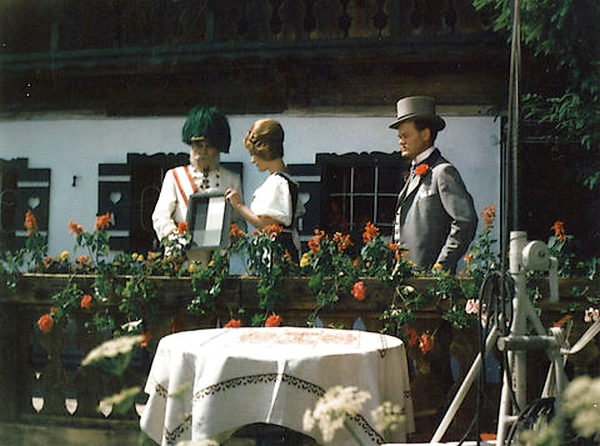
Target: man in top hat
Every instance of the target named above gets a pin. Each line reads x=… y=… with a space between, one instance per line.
x=435 y=217
x=206 y=130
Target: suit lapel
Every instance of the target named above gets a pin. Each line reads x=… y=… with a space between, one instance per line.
x=411 y=185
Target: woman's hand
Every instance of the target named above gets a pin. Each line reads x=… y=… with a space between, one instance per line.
x=233 y=198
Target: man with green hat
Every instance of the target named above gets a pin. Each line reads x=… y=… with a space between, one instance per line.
x=206 y=131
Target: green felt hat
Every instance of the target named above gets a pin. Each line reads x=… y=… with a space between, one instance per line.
x=209 y=123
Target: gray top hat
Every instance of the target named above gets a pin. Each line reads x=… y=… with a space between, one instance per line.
x=421 y=107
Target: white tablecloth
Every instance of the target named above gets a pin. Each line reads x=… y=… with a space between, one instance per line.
x=209 y=383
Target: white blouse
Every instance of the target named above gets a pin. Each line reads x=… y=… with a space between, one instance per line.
x=273 y=199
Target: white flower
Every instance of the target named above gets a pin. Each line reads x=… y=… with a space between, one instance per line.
x=112 y=348
x=591 y=314
x=205 y=442
x=132 y=326
x=123 y=395
x=387 y=417
x=472 y=306
x=582 y=403
x=333 y=408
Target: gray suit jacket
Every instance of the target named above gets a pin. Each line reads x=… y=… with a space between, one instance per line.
x=435 y=217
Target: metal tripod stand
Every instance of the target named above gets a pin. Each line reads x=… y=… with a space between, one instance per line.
x=524 y=256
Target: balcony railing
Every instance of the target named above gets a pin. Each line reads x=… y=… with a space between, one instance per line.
x=182 y=28
x=42 y=381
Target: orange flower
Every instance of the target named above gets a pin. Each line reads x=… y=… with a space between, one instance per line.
x=342 y=241
x=153 y=255
x=233 y=323
x=86 y=301
x=146 y=337
x=314 y=244
x=235 y=232
x=468 y=258
x=75 y=229
x=426 y=343
x=413 y=336
x=559 y=231
x=371 y=231
x=359 y=290
x=393 y=246
x=273 y=230
x=45 y=322
x=489 y=215
x=274 y=321
x=103 y=221
x=182 y=227
x=422 y=169
x=82 y=260
x=30 y=223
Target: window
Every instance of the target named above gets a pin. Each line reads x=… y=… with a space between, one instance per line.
x=360 y=188
x=22 y=189
x=129 y=193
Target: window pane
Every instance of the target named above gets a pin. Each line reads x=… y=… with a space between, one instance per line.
x=363 y=212
x=338 y=178
x=385 y=214
x=338 y=215
x=363 y=179
x=390 y=179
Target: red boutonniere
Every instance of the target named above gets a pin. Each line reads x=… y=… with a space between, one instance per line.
x=422 y=169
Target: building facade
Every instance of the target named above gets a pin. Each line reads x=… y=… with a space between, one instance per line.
x=94 y=95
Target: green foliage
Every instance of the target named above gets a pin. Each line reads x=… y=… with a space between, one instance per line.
x=207 y=283
x=401 y=312
x=266 y=259
x=563 y=36
x=332 y=272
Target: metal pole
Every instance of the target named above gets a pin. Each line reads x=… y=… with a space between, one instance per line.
x=464 y=387
x=513 y=111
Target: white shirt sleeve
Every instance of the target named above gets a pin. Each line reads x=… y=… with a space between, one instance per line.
x=273 y=199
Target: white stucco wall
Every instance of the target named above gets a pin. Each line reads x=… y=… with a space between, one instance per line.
x=76 y=146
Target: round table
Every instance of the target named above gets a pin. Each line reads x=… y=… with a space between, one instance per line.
x=209 y=383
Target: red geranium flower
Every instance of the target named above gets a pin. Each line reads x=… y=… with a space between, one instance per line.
x=422 y=169
x=82 y=260
x=359 y=290
x=342 y=241
x=86 y=301
x=233 y=323
x=146 y=337
x=413 y=336
x=489 y=215
x=371 y=231
x=274 y=321
x=75 y=229
x=182 y=227
x=45 y=322
x=235 y=232
x=103 y=221
x=426 y=343
x=30 y=223
x=314 y=244
x=273 y=230
x=559 y=231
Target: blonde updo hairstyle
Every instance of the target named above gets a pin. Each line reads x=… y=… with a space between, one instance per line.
x=265 y=139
